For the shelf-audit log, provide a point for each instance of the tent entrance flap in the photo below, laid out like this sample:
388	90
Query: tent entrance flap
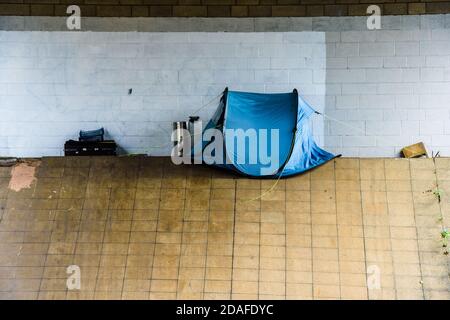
259	130
266	135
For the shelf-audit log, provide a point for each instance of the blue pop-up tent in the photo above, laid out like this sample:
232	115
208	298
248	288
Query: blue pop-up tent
276	132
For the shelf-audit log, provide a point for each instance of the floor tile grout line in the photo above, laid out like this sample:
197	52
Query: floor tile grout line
415	227
177	293
81	216
234	235
337	231
22	238
390	232
22	242
50	239
207	235
102	243
8	191
131	230
157	228
363	229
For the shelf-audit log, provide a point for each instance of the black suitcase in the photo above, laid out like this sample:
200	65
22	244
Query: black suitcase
90	148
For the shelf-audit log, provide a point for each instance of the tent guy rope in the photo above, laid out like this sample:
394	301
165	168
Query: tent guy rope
195	112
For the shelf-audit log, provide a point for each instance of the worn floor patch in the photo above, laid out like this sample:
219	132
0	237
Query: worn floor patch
22	176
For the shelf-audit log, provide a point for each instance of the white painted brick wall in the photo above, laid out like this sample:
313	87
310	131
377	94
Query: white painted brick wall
56	83
389	88
396	89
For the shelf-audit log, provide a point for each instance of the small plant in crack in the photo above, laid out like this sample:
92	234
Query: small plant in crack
445	235
438	193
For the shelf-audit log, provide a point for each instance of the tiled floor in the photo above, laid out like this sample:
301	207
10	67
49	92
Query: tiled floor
142	228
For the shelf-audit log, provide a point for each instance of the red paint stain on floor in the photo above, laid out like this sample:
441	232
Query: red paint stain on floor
22	176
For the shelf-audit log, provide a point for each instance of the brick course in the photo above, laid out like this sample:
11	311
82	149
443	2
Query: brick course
221	8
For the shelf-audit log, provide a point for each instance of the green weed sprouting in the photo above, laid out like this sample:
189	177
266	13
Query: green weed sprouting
445	236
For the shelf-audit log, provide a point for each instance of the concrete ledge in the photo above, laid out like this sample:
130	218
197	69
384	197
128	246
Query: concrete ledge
16	23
